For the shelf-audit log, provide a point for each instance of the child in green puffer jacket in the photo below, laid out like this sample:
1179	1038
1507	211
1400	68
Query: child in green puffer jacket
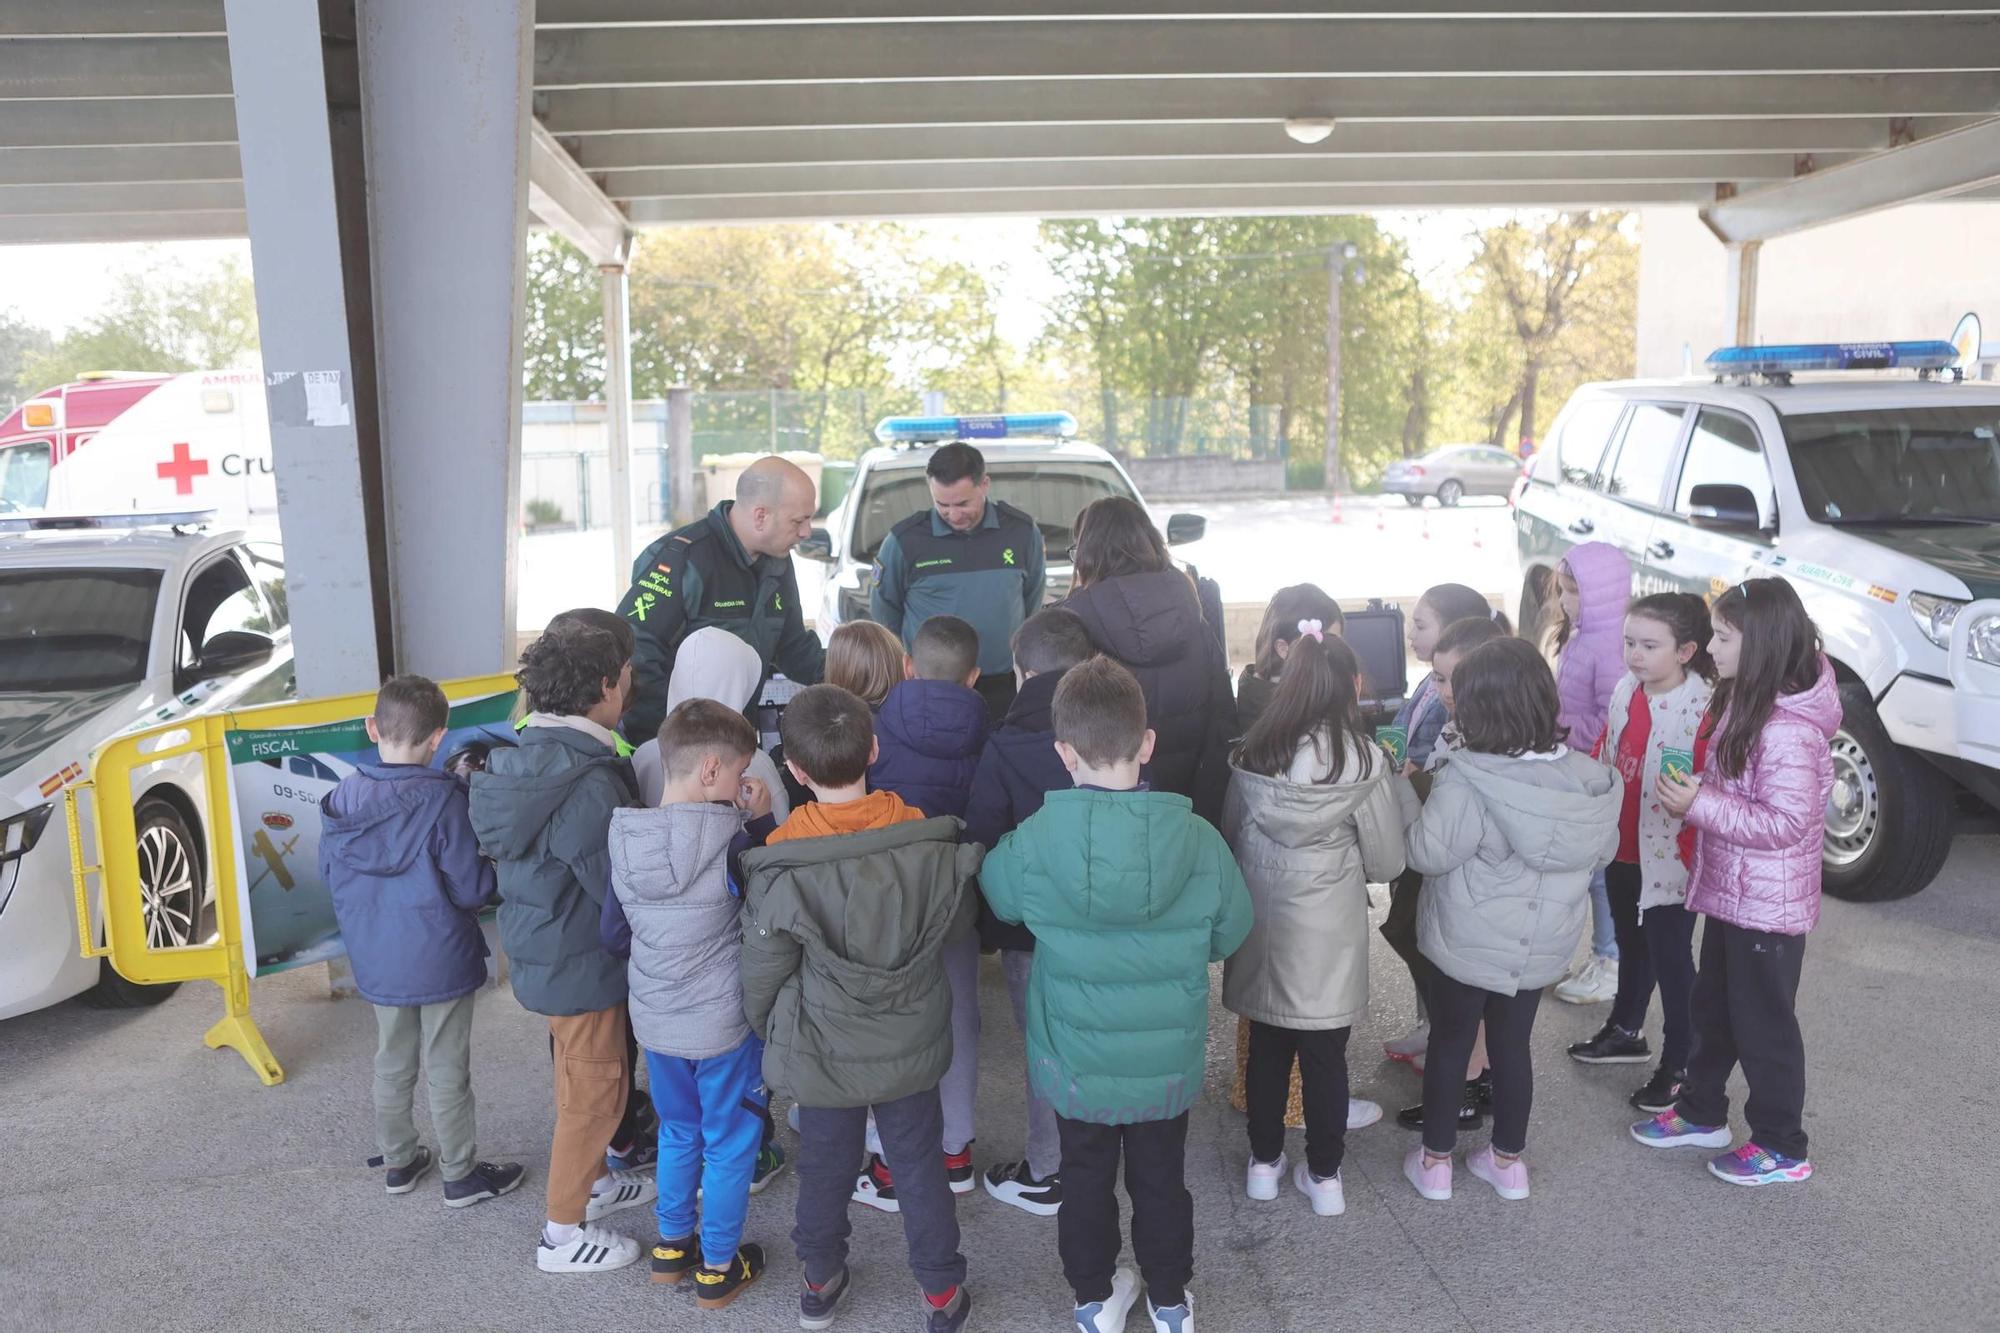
1130	897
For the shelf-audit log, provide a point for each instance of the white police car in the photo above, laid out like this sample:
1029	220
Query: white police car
1877	497
1034	465
108	624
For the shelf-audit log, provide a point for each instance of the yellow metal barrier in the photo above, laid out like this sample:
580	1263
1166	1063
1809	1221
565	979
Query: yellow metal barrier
115	847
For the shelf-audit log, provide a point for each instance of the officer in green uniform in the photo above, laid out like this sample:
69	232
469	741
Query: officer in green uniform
732	568
968	556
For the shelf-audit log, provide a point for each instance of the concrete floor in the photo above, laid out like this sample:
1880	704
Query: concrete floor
149	1183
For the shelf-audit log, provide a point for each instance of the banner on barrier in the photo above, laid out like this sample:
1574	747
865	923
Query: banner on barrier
278	776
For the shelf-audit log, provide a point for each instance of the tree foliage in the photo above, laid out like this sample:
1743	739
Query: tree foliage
162	315
20	344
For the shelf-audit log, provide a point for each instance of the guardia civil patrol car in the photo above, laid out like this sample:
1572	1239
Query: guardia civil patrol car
1877	496
1035	465
108	624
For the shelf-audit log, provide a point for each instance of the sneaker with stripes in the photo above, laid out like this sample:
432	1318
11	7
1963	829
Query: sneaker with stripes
590	1250
622	1189
1754	1165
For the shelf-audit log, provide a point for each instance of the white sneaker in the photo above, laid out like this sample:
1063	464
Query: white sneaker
628	1189
872	1137
1328	1199
792	1117
1172	1318
1361	1113
1108	1316
1261	1180
591	1250
1410	1044
1595	983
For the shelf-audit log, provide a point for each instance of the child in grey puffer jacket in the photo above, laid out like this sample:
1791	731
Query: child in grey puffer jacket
1515	824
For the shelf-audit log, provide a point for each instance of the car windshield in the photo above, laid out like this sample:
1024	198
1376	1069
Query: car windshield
1054	491
75	629
1914	465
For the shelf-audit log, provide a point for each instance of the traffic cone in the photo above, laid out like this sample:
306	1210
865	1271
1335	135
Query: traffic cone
1427	527
1381	525
1336	507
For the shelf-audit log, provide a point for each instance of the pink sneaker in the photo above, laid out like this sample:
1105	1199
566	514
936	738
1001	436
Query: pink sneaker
1509	1181
1433	1182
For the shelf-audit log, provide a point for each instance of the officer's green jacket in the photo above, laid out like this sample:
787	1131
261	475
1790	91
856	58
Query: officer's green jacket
991	577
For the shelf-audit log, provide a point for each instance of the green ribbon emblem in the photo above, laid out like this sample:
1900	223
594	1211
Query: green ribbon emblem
1007	556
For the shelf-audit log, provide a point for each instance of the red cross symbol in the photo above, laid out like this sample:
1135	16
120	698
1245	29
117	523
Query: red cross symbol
182	470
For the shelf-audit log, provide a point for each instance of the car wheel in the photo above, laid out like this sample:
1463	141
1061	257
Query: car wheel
1450	494
173	895
1414	501
1889	819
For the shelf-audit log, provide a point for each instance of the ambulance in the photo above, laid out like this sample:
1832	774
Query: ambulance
114	441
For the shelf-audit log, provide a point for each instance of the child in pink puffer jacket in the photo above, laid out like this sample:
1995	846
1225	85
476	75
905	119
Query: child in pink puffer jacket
1592	586
1758	812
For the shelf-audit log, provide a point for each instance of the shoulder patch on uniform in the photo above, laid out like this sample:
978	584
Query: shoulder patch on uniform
921	517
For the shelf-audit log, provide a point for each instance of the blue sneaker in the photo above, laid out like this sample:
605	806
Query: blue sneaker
1108	1315
1752	1165
1173	1318
1669	1130
819	1305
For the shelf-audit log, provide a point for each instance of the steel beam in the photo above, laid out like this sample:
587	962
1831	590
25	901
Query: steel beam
566	200
688	13
111	18
114	67
1155	49
72	228
189	197
101	166
1063	101
112	121
1943	165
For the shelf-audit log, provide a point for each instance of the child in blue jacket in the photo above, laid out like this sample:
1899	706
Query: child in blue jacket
399	858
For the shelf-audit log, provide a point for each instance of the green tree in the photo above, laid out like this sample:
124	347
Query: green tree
563	333
20	344
162	315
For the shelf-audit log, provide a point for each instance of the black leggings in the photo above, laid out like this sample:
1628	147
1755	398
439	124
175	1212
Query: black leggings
1399	928
1658	949
1267	1086
1456	1009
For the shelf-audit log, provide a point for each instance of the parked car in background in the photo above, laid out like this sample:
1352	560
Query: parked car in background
1452	473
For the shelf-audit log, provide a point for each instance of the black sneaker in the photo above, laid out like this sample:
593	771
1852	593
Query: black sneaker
819	1305
951	1316
958	1172
715	1288
770	1161
1662	1090
486	1180
1013	1183
1612	1045
876	1187
403	1179
1471	1109
675	1259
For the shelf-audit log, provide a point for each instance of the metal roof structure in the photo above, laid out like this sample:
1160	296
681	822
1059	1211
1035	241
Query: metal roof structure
116	119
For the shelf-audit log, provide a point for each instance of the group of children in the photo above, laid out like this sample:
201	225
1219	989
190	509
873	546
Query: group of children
812	927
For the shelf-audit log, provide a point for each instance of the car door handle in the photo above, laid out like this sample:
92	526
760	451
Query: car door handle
1583	527
1661	550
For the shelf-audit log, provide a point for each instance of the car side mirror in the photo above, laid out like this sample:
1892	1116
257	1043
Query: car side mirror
232	651
1724	506
819	546
1185	528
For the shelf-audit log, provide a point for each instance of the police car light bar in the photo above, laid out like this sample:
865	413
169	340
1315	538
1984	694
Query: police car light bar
162	518
930	430
1789	358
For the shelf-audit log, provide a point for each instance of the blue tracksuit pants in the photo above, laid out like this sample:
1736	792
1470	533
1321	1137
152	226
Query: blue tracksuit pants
711	1126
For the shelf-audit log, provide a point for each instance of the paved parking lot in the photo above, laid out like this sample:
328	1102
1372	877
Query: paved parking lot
152	1184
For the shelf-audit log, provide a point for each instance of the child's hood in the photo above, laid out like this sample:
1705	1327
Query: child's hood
1818	705
675	851
378	821
1299	814
1143	619
939	719
1603	584
1553	812
1124	858
712	663
523	787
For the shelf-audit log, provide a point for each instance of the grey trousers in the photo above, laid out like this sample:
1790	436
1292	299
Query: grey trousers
1044	1138
440	1036
959	1090
830	1156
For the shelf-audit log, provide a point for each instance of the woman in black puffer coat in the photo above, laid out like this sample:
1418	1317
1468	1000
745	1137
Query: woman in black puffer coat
1145	613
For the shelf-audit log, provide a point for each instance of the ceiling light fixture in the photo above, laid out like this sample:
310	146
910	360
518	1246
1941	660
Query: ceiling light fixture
1309	129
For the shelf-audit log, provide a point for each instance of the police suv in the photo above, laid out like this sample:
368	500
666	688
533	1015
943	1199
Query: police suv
108	624
1876	496
1034	464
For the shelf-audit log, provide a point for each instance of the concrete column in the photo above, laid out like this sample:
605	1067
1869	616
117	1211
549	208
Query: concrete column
680	456
1740	300
618	415
300	136
446	92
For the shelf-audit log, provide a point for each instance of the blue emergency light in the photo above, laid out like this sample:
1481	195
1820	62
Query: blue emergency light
1790	358
931	430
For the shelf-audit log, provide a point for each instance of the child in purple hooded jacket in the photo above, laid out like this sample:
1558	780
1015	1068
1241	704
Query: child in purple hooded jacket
1593	586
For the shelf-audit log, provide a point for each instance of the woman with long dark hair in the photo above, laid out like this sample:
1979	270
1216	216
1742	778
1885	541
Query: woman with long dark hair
1145	614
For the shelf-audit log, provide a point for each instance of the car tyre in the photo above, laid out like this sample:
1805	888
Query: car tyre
1414	501
1889	820
174	884
1450	494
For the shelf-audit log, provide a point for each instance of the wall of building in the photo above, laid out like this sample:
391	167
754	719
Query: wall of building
1902	273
